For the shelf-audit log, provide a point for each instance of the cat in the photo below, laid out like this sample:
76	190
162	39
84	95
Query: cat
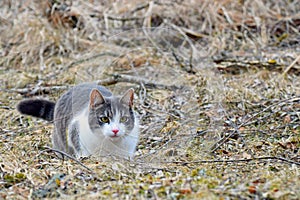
89	120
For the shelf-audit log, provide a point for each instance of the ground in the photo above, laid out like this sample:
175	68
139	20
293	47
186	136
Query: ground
217	90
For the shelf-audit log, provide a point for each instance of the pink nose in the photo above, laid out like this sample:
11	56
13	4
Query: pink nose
115	131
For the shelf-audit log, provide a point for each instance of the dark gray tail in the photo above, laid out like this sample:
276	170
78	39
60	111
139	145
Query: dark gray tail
38	108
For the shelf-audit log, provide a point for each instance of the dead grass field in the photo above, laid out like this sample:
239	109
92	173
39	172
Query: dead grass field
217	90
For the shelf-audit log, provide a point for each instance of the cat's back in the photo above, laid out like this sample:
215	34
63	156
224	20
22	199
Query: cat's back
77	98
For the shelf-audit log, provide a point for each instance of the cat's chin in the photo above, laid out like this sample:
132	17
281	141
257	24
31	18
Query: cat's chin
114	137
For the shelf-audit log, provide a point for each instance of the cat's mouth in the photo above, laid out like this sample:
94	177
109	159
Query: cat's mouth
114	136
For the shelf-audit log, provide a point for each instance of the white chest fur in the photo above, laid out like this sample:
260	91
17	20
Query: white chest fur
96	143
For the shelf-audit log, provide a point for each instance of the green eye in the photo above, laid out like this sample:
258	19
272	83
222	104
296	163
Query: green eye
104	119
124	119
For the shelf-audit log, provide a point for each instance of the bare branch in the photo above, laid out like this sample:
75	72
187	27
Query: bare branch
247	122
116	78
123	19
38	90
265	158
67	155
91	58
291	65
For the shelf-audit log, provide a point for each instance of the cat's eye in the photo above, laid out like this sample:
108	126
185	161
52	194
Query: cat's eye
124	119
104	119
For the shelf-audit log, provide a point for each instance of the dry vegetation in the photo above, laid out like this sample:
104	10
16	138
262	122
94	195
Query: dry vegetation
217	89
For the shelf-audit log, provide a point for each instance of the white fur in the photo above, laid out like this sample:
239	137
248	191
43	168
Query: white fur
108	127
102	143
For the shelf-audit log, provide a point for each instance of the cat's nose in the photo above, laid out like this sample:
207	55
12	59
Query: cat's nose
115	131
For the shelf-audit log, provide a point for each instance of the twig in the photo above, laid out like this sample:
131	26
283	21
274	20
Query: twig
193	48
133	79
220	142
181	64
106	20
124	19
165	143
291	65
79	61
38	90
138	8
234	161
247	122
116	78
178	60
67	155
147	19
143	6
91	58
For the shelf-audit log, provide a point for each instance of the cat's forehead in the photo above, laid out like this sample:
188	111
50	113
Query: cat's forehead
114	104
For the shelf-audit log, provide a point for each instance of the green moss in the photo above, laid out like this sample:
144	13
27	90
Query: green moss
12	179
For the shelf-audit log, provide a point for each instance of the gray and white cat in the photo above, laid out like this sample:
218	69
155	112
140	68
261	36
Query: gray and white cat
89	120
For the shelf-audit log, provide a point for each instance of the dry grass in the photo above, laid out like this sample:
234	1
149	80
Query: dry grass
229	129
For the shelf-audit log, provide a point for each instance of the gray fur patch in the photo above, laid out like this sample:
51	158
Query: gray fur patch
74	136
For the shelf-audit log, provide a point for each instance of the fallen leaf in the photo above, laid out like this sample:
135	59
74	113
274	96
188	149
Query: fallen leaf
185	191
252	189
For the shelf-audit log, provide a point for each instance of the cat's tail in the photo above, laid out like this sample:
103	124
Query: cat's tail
38	108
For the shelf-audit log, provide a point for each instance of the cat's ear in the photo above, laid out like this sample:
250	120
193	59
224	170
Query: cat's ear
127	98
96	98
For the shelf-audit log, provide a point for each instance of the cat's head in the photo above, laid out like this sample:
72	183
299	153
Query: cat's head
111	116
